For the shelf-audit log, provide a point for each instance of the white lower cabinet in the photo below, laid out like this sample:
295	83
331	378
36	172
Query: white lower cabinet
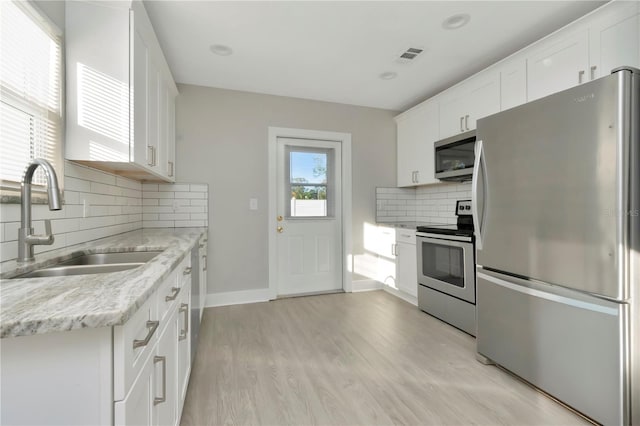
397	262
406	262
132	374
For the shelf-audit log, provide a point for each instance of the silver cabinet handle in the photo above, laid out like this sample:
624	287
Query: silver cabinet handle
204	260
174	294
580	76
171	168
163	398
461	121
466	122
152	326
149	155
184	309
187	270
417	176
155	156
593	72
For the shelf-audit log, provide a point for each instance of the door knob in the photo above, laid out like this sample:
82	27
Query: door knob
280	218
280	229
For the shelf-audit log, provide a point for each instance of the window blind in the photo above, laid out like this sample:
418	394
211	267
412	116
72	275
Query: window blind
30	92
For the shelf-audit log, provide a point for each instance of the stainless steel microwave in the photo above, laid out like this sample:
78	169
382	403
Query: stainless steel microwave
454	157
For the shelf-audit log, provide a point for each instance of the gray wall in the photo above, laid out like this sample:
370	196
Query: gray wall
222	140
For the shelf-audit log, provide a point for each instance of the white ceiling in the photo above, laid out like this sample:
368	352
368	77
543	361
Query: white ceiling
335	51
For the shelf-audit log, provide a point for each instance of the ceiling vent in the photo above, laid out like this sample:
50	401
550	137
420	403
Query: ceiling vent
409	55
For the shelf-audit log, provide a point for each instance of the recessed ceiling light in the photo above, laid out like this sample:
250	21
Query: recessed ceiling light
456	21
221	49
389	75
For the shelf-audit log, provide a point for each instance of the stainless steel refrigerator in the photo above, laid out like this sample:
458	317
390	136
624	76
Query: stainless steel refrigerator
556	203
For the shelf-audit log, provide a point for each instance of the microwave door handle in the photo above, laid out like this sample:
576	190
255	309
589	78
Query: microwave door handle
474	194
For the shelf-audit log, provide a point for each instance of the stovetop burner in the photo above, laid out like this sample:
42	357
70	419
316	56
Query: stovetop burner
463	227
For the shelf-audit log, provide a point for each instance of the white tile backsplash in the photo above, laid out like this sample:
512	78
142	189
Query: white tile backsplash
175	205
98	204
434	203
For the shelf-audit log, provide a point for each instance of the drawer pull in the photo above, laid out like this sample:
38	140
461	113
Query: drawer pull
187	270
204	260
152	326
163	398
184	309
173	295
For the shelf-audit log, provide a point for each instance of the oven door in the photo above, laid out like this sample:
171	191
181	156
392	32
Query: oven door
447	266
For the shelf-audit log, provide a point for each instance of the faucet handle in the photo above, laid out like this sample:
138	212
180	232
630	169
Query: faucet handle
47	227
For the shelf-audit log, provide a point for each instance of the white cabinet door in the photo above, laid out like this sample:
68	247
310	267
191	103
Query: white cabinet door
137	407
384	248
170	145
462	106
558	64
513	83
165	362
141	154
417	131
183	340
614	40
406	262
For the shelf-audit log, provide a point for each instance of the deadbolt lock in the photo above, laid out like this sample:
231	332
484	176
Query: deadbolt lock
280	218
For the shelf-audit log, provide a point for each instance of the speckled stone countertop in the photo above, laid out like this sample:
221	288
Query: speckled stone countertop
405	225
45	305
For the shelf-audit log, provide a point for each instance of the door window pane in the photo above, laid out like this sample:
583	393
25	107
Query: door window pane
443	263
308	181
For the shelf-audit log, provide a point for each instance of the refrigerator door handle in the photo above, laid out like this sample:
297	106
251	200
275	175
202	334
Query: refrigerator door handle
475	213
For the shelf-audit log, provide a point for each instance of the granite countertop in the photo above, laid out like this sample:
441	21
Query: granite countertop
405	225
49	304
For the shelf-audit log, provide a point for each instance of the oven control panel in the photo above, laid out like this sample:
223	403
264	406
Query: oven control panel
463	208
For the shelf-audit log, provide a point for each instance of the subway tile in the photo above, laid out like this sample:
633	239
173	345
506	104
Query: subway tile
199	187
9	212
188	223
75	184
150	201
158	224
11	231
8	251
128	183
173	187
198	216
190	195
157	209
198	202
174	202
152	194
150	216
149	187
71	197
173	216
101	188
86	173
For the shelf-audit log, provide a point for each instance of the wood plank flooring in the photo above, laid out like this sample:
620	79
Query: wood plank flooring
350	359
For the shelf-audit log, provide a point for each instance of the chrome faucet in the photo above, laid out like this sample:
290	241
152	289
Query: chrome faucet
26	238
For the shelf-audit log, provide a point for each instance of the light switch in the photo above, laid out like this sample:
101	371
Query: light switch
253	204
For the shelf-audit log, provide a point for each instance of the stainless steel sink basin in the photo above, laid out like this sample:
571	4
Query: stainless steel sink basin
97	263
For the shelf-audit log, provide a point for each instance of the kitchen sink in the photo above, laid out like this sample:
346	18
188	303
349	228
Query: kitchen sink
95	263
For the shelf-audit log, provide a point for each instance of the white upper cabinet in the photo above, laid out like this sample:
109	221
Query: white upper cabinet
557	64
513	83
121	95
614	39
417	131
464	104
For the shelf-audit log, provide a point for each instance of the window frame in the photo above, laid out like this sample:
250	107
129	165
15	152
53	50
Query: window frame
329	185
10	190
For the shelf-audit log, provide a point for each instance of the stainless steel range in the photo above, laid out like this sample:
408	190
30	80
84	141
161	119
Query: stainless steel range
446	270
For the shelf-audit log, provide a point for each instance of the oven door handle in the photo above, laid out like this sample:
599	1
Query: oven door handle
475	203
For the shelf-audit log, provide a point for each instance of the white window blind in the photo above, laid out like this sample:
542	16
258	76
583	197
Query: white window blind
30	92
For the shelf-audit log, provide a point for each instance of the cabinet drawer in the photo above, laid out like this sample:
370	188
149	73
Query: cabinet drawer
132	345
406	236
168	294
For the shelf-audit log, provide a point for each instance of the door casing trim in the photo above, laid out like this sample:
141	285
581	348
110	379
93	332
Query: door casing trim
345	140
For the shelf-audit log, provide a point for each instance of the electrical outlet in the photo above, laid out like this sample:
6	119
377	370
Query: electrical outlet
85	208
253	204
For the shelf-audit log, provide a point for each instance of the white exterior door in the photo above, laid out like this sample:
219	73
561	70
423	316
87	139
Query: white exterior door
309	216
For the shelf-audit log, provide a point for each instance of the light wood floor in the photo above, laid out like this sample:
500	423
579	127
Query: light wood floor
350	359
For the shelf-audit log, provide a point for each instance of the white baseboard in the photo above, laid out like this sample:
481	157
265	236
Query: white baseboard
237	297
401	294
365	285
